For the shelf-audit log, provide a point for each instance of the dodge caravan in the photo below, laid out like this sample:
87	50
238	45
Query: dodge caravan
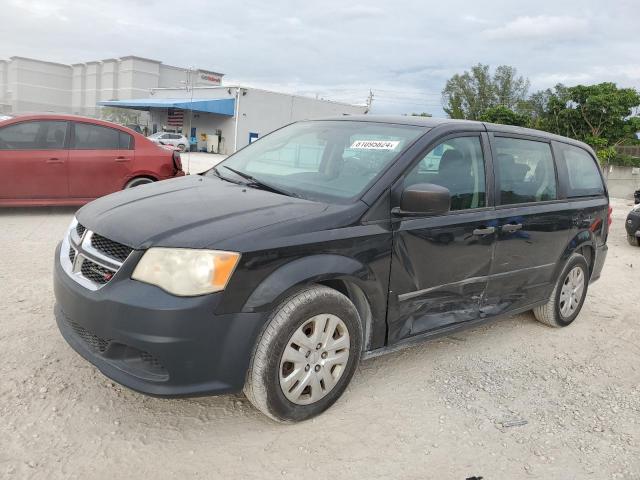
324	243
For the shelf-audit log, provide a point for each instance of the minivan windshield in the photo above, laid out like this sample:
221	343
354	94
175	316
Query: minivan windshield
326	160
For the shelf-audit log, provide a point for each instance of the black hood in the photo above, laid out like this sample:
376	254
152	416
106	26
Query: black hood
190	212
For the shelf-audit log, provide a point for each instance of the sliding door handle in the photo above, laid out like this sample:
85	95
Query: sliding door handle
511	227
484	231
55	160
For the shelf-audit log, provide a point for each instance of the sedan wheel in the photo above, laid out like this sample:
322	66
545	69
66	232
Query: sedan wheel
136	182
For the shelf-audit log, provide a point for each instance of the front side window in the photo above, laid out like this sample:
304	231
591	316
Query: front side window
458	165
324	160
526	172
38	135
96	137
582	171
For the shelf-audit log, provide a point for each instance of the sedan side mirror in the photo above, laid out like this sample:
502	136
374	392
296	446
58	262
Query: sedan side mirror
425	199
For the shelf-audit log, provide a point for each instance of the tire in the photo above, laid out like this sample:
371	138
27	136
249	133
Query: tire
284	390
633	240
574	277
182	147
136	182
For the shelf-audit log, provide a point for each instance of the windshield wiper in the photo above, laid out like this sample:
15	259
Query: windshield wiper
222	177
254	182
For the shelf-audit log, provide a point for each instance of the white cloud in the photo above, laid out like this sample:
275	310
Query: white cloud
540	27
405	51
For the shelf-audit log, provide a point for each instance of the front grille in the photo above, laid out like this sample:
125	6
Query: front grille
93	341
95	272
109	247
91	259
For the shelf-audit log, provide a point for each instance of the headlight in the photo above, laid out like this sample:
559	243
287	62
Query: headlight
186	272
636	208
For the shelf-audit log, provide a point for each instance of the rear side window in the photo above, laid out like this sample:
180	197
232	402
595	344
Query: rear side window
525	171
96	137
45	135
582	172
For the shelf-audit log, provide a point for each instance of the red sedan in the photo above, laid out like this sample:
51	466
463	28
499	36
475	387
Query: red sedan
50	159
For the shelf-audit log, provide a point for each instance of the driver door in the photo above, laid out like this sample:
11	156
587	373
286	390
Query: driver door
440	264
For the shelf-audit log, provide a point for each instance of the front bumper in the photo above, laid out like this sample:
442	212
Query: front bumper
154	342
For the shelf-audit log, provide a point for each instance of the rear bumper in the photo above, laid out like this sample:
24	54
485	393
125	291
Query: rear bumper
153	342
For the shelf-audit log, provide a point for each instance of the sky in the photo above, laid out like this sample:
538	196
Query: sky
403	51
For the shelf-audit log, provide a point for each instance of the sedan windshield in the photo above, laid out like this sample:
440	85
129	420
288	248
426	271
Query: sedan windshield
320	160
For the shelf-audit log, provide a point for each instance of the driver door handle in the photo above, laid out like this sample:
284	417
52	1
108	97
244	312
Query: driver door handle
55	160
484	231
122	159
511	227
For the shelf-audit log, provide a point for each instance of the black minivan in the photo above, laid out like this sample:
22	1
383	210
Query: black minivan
325	242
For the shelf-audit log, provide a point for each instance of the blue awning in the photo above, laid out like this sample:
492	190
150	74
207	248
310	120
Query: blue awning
221	106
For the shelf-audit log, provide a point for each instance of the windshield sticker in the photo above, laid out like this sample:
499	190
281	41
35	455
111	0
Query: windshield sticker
375	144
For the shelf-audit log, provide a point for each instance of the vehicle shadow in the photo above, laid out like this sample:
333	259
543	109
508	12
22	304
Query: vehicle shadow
400	368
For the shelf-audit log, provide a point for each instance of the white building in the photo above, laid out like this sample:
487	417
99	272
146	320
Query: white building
224	119
30	85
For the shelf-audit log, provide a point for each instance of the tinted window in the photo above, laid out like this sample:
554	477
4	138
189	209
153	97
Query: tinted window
95	137
457	164
582	172
526	171
46	135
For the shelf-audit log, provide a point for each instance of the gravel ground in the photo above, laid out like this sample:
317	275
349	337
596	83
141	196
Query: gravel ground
511	399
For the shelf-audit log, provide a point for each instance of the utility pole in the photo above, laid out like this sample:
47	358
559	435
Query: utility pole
189	87
369	100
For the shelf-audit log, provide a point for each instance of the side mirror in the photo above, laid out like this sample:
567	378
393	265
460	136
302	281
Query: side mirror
425	199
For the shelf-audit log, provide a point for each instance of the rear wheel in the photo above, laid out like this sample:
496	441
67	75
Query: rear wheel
633	240
136	182
306	355
568	295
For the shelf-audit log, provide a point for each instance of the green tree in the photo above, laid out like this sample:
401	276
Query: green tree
505	116
600	115
470	94
121	116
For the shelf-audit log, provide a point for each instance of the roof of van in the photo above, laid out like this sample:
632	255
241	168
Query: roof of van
432	122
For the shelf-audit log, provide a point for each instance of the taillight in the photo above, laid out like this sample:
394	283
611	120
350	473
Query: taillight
177	161
609	219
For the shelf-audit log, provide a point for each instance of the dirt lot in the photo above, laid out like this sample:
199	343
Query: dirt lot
433	411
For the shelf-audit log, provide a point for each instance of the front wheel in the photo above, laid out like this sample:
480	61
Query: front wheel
633	240
306	355
182	147
568	295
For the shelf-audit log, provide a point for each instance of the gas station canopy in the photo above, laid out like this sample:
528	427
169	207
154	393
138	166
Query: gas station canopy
221	106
